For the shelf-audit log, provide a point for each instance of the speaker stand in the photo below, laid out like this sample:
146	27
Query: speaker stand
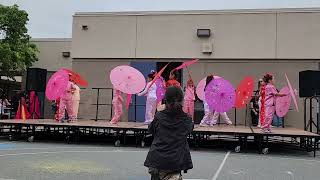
310	123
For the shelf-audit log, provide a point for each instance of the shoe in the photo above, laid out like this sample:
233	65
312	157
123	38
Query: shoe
267	131
112	122
147	122
203	125
229	123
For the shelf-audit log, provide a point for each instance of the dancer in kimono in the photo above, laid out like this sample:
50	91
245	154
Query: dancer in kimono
173	79
66	102
117	102
207	119
269	102
75	101
151	104
189	98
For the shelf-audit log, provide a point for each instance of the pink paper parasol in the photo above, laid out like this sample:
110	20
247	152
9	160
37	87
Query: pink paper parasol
283	103
161	89
127	79
220	95
57	84
292	93
244	92
185	64
200	88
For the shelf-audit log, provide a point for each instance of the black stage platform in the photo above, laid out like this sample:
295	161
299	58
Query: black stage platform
240	135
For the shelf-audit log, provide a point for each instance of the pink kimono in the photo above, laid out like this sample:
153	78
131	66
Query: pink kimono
66	103
270	91
117	106
189	98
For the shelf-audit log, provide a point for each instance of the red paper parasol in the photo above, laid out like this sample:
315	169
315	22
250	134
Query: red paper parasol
244	92
127	79
220	95
292	93
283	103
76	77
185	64
57	84
200	88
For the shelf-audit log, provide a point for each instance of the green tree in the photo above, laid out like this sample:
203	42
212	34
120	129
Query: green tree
17	53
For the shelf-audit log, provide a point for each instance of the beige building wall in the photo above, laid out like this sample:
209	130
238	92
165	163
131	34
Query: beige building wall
298	35
251	34
106	37
175	36
50	55
50	58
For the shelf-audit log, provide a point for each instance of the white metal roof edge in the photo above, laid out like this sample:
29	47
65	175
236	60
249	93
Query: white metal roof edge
51	39
199	12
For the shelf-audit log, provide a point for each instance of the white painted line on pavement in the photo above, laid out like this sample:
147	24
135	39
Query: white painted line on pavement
57	152
215	177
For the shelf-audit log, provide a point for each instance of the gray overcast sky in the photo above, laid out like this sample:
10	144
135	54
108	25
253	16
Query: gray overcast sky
53	18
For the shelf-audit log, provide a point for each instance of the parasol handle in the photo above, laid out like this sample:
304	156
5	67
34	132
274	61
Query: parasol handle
189	73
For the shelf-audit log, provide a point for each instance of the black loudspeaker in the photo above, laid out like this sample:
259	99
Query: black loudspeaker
36	79
309	83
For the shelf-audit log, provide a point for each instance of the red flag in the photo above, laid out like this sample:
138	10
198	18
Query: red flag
186	64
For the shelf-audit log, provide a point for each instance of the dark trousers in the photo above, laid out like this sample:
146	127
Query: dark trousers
254	119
